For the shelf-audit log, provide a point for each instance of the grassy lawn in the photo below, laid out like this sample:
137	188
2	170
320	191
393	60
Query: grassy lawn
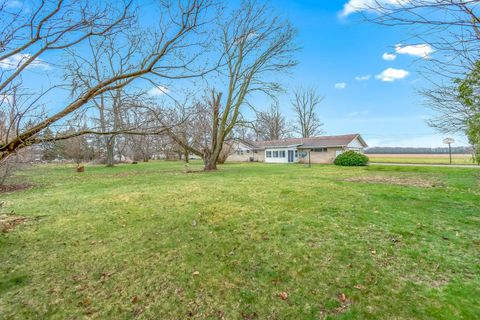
421	158
251	241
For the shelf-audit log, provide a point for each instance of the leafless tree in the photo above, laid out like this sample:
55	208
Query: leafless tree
144	116
254	44
271	124
77	148
171	51
16	114
106	57
304	103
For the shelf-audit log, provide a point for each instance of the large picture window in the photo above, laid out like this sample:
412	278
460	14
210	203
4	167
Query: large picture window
275	154
282	154
269	154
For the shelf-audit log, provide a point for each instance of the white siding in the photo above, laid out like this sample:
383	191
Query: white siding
356	145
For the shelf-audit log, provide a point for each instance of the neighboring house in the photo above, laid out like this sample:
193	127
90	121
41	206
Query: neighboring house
303	150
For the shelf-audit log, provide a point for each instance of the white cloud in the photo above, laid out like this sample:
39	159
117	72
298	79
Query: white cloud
418	50
158	91
340	86
363	78
353	6
19	58
389	56
6	99
357	113
390	75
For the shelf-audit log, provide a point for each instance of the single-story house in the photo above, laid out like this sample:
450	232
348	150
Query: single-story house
323	149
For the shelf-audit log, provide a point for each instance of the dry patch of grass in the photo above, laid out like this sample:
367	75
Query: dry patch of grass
399	181
9	222
8	188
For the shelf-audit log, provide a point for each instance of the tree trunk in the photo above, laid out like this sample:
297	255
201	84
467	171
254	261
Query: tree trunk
186	154
110	151
210	164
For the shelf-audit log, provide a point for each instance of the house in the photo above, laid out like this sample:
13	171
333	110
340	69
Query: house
244	150
322	149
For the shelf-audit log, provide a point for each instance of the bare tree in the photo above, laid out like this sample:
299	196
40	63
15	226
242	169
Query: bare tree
304	103
254	45
271	124
16	113
55	26
77	149
106	57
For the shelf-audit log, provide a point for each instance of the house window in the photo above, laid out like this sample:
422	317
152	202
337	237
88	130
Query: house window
282	154
319	150
248	151
269	154
275	154
296	153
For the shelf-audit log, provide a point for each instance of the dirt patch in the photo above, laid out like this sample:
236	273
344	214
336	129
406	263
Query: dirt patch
399	181
8	188
9	222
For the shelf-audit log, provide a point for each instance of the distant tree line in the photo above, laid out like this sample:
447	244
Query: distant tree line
400	150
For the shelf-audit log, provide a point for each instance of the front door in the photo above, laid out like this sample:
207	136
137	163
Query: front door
290	155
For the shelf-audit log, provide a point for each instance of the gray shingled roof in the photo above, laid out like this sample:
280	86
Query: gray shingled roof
313	142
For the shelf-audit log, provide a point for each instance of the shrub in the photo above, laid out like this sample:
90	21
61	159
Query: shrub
351	158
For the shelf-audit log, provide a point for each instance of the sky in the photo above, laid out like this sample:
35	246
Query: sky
368	74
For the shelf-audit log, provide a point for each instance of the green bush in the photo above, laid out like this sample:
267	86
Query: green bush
351	158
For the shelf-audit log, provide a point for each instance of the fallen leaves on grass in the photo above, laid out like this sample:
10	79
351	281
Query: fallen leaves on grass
344	303
9	222
7	188
283	295
399	181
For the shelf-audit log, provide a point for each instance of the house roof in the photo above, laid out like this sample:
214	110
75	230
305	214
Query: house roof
312	142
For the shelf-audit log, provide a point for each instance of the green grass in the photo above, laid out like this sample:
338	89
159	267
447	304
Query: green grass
128	242
421	158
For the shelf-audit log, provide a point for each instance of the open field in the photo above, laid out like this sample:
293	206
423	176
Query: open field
421	158
251	241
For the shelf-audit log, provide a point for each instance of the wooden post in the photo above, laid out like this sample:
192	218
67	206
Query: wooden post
449	141
309	158
450	152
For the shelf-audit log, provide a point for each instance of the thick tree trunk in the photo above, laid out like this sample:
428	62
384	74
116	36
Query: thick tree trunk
110	151
186	154
210	164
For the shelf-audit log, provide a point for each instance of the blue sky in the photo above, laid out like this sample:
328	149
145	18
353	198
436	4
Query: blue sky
335	51
369	81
